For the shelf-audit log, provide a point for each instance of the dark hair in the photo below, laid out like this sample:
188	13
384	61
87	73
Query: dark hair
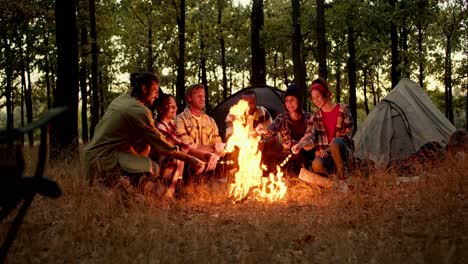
192	88
138	79
162	99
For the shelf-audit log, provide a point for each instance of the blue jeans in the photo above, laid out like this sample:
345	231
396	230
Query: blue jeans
337	161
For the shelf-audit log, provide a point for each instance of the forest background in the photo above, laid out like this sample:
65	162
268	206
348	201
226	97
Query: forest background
80	53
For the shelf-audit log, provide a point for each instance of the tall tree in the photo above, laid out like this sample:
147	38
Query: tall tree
94	69
258	76
297	47
9	82
204	79
352	74
83	13
321	39
180	82
65	128
28	92
452	19
395	70
423	18
222	46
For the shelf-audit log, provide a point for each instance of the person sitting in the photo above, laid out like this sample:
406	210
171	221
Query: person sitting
195	127
126	144
330	131
172	169
257	115
291	126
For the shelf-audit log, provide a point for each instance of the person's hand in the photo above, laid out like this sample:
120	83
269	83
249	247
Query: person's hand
211	160
197	165
296	148
219	148
261	130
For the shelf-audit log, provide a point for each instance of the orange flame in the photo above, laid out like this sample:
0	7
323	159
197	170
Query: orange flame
249	180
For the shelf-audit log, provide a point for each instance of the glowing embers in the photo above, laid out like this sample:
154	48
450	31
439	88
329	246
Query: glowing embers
249	182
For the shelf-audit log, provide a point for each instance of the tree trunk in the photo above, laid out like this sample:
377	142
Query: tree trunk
379	90
223	47
404	46
94	69
47	70
373	89
396	73
421	57
448	80
149	56
366	103
180	82
9	83
285	71
28	99
298	63
352	75
275	66
338	82
65	128
321	40
230	80
83	83
23	89
258	76
28	92
204	79
102	95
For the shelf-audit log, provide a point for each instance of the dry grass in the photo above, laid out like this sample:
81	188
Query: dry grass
377	221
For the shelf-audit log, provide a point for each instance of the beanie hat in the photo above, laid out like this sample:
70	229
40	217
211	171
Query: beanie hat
293	90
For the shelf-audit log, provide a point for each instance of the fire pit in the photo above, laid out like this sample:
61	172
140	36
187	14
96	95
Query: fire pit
249	182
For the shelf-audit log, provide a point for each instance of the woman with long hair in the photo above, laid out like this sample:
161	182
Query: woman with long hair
330	132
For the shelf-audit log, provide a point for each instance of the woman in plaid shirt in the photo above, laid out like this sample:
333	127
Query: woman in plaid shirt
291	126
329	131
172	169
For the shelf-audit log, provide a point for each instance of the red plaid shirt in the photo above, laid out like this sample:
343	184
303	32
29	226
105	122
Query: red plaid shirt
283	125
169	132
316	136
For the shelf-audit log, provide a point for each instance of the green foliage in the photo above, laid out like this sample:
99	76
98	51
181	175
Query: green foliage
125	44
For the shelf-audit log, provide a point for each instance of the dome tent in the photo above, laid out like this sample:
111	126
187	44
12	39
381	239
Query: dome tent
269	97
400	124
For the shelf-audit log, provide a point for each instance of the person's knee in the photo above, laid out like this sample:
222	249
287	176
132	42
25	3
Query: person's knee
318	166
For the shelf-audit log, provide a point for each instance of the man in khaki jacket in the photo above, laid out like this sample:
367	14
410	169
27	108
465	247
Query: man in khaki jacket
126	138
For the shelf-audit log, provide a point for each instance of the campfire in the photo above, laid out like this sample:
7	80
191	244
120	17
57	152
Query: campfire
249	181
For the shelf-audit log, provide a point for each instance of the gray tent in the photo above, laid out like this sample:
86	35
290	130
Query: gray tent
400	124
269	97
